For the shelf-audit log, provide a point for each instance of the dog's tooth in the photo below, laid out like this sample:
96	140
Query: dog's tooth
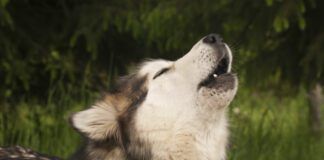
214	75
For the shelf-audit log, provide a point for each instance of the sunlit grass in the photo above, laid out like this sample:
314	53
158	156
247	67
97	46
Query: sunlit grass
43	128
262	127
268	128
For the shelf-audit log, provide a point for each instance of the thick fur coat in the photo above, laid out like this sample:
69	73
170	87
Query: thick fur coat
166	110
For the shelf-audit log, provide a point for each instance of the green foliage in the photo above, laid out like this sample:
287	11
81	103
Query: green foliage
44	43
5	18
263	127
287	45
54	54
268	128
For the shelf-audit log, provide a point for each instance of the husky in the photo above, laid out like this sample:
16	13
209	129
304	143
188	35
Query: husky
167	110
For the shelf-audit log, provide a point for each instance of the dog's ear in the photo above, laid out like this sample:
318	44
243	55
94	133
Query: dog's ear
97	123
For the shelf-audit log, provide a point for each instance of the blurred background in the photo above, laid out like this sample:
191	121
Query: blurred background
57	56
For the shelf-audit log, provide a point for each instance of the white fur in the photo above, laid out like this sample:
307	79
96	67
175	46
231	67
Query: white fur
98	122
177	119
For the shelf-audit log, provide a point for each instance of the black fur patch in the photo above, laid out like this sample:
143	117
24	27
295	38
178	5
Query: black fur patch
134	147
126	96
21	153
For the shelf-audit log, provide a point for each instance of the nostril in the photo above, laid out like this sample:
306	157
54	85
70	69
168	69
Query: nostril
213	38
210	39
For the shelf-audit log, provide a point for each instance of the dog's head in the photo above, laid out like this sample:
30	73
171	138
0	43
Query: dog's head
164	96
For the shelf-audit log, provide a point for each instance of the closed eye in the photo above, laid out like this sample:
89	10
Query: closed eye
159	73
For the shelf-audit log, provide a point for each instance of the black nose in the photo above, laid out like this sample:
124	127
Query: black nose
213	39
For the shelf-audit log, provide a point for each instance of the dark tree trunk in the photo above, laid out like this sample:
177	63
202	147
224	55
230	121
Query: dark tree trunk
315	98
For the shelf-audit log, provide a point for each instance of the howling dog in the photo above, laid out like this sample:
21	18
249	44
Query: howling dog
167	110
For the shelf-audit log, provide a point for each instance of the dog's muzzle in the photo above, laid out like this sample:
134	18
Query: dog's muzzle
222	69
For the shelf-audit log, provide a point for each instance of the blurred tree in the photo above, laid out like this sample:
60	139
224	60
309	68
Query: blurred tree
315	100
289	51
66	43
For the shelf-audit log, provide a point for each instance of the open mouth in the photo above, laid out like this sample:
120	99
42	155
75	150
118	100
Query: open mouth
221	69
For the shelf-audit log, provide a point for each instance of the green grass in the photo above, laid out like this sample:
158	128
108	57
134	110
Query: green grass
263	127
269	128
